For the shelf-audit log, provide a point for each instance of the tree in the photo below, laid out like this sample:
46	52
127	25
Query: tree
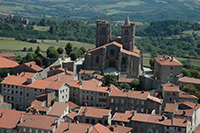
191	90
73	56
75	49
68	48
134	83
194	73
54	100
4	72
79	53
154	54
96	72
125	86
42	22
185	72
109	79
102	73
152	63
38	50
24	49
83	49
52	52
60	50
30	49
38	61
29	56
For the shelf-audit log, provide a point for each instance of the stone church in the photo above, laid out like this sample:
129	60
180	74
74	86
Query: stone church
118	52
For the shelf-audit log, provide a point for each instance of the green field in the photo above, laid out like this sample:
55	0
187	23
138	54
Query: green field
11	45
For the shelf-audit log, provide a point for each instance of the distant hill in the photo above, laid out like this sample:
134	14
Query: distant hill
139	10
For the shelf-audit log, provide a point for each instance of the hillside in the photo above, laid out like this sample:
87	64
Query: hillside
139	10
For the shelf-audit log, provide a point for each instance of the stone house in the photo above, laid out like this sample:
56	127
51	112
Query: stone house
190	80
11	56
167	68
58	109
94	115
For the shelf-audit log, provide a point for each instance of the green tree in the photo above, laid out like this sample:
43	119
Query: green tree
185	72
102	73
109	79
73	56
29	56
194	73
4	72
54	100
52	52
96	72
60	50
38	50
24	49
42	22
125	86
68	48
191	90
134	83
38	61
75	49
152	63
83	49
154	54
30	49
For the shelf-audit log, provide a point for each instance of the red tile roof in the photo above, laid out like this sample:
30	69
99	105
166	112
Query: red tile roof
197	130
189	80
38	106
125	80
71	115
170	87
185	112
74	127
93	112
10	118
130	53
55	85
120	129
63	78
7	55
176	122
98	76
183	94
189	104
6	63
58	109
27	74
155	99
171	107
38	121
90	72
124	117
139	94
167	60
33	66
72	105
98	128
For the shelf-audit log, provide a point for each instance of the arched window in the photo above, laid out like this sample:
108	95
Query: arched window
97	59
126	33
103	31
112	51
123	60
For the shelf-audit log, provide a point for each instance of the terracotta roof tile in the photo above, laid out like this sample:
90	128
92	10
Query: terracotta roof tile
125	80
7	55
176	122
10	118
38	106
155	99
171	107
74	127
90	72
190	80
185	112
71	115
58	109
197	130
93	112
27	74
98	128
98	76
130	53
170	87
183	94
38	121
33	66
6	63
167	60
55	85
62	76
189	104
72	105
139	94
93	85
120	129
124	117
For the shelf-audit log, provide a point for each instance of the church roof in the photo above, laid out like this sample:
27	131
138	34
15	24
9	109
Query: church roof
127	22
135	53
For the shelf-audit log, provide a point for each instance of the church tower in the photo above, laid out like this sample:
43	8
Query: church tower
128	35
103	32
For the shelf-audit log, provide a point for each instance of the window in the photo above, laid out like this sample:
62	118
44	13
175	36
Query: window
16	99
65	96
142	110
100	93
100	121
20	93
170	99
16	92
35	89
12	98
8	91
171	68
20	99
27	100
136	129
112	51
62	97
116	108
142	102
36	131
30	130
123	60
87	97
179	129
174	93
91	97
83	97
131	101
122	101
16	87
27	94
116	100
93	121
8	97
60	91
138	102
12	91
24	130
122	109
42	131
112	100
97	59
87	120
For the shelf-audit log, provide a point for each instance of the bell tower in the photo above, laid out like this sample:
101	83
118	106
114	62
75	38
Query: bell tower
103	32
128	35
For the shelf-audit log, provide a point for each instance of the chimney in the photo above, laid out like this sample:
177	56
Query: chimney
172	58
65	70
58	78
85	111
172	120
24	74
133	113
30	65
47	103
1	115
88	130
112	129
68	126
184	112
142	92
20	120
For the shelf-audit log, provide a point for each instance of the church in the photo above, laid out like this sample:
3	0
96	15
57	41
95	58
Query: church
119	53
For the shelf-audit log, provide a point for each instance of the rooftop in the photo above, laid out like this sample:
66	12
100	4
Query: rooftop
124	117
6	63
155	99
171	107
170	87
168	61
86	72
120	129
7	55
183	94
176	122
58	109
33	66
99	128
190	80
93	112
36	104
126	80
